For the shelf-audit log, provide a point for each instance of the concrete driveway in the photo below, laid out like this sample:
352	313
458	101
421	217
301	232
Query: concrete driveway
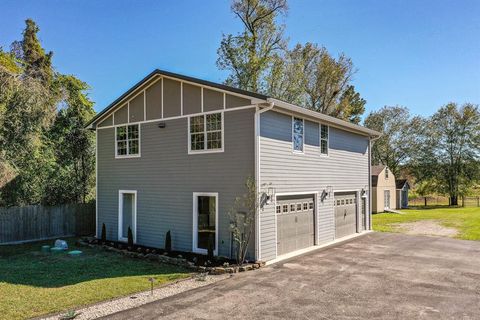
376	276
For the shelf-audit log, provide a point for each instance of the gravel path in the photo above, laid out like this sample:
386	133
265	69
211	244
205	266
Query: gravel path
112	306
426	227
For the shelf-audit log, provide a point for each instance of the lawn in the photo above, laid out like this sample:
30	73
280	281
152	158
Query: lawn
465	220
33	283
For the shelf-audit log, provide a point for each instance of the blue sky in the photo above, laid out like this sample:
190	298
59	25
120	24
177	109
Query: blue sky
420	54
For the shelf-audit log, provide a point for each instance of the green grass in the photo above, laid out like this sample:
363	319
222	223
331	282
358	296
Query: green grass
34	284
465	220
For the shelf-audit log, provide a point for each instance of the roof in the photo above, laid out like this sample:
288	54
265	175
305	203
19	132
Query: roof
267	99
400	183
376	170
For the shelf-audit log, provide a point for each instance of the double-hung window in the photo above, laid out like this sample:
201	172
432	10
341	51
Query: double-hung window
324	139
127	139
206	133
298	134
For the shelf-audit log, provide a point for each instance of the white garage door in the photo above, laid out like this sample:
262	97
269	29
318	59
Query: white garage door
295	223
345	214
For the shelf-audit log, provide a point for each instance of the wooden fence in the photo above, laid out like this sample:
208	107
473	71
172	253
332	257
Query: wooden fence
41	222
444	201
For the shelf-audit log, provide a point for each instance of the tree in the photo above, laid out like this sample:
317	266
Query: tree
400	136
350	107
74	145
248	54
45	154
242	219
451	151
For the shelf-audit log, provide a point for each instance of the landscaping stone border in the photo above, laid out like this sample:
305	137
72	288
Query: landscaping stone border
178	261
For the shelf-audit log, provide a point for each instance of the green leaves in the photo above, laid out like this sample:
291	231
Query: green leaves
46	156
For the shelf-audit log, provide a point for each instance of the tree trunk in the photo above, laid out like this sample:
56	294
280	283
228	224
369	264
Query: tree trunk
453	200
425	198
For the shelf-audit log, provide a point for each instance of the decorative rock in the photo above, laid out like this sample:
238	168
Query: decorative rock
242	269
229	270
202	269
218	270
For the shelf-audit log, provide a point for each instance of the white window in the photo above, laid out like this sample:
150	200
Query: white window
127	214
297	135
285	208
205	221
127	141
206	133
310	205
279	209
323	139
299	207
386	173
292	207
305	206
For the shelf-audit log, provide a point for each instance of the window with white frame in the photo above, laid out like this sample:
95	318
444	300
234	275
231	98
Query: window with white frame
205	225
127	140
279	210
298	134
323	139
285	208
386	173
206	132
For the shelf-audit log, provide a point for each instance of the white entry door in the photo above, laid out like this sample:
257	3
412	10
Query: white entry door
386	199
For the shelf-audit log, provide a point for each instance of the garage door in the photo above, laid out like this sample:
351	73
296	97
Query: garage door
295	223
345	214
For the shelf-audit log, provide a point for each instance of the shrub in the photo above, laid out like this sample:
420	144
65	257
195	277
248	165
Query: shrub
104	233
168	242
130	237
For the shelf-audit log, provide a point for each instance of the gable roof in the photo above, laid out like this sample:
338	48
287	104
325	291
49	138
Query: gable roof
263	99
400	183
376	170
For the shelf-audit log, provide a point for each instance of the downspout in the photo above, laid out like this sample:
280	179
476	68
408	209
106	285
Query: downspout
258	112
370	140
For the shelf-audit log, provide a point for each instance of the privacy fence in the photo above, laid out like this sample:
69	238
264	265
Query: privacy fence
43	222
444	201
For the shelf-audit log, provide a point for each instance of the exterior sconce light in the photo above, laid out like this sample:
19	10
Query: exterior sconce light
162	125
364	193
270	195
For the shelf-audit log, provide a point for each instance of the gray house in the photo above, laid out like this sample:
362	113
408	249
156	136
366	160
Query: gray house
173	152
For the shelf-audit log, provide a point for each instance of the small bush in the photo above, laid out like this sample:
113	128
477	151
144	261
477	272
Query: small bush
130	237
104	233
168	242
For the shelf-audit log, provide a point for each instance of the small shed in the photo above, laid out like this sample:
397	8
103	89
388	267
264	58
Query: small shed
384	196
402	187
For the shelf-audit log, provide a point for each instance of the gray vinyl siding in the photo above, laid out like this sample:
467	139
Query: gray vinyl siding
345	168
135	108
107	122
171	98
232	101
121	115
191	99
165	177
154	101
212	100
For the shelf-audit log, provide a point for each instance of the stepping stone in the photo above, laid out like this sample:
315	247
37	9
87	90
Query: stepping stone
45	248
74	253
56	250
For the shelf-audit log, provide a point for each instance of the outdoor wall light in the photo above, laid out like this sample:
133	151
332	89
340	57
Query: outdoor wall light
363	193
162	125
270	194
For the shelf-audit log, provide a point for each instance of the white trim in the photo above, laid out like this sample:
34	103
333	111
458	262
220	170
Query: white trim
195	222
316	247
180	117
256	139
205	150
129	98
303	135
162	97
96	183
128	112
224	101
127	156
201	99
181	97
328	140
120	215
144	105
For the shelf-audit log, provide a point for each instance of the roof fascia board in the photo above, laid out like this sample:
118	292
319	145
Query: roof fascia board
334	122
